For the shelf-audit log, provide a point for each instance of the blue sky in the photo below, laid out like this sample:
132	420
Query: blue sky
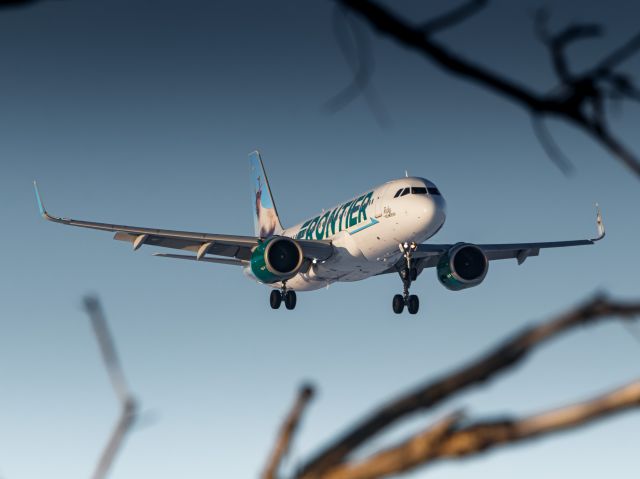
144	113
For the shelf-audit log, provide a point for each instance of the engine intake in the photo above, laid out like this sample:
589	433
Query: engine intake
463	266
276	259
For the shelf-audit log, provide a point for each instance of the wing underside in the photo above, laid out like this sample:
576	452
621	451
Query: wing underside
204	245
428	255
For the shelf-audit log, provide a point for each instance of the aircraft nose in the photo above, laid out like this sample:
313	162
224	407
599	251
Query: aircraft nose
426	208
440	203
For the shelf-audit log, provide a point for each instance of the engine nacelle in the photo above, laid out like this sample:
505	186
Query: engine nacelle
463	266
276	259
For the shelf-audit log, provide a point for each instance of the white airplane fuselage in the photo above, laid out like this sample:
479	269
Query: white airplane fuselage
367	231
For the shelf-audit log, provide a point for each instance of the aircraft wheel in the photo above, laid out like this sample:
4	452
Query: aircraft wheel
275	299
398	303
413	304
290	299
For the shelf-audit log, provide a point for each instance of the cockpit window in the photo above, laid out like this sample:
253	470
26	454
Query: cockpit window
433	190
398	193
418	190
405	191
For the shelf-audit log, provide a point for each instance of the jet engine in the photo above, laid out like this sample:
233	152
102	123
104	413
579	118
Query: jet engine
463	266
276	259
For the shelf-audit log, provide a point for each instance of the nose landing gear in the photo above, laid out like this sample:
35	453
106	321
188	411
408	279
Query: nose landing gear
283	294
408	274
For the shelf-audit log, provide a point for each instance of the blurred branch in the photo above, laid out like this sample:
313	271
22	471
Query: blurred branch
114	370
400	458
356	50
550	146
16	3
289	427
454	16
579	101
559	42
499	359
446	441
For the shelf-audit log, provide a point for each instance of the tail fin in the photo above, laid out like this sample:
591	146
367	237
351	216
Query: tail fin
265	215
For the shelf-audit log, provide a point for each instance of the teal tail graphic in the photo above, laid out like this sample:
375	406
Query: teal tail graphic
265	215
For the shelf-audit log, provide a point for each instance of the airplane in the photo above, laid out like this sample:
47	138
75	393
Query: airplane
380	231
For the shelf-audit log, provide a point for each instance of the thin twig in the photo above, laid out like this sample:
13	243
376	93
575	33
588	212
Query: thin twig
356	50
453	17
287	432
551	147
116	375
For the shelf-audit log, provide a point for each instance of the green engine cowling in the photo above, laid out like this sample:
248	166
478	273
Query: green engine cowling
463	266
276	259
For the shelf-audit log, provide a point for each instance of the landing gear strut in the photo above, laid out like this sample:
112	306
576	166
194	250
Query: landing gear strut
283	294
408	274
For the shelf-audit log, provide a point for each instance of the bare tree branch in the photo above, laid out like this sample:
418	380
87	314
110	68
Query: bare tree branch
499	359
482	435
356	50
550	146
116	375
579	102
453	17
445	441
559	42
399	458
286	434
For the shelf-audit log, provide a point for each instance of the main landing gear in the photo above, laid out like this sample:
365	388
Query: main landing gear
408	274
283	294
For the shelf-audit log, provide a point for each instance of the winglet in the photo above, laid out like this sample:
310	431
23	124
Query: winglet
43	212
599	224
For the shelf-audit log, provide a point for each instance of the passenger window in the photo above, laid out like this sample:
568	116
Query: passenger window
418	191
405	191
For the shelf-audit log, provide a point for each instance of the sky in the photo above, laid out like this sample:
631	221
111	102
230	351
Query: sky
143	113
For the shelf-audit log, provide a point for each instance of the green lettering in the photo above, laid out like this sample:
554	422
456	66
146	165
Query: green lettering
362	215
345	209
353	211
320	232
303	229
332	221
311	227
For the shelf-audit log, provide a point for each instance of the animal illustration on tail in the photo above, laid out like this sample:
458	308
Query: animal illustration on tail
266	221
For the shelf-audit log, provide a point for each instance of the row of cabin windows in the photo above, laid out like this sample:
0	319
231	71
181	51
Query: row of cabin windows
416	190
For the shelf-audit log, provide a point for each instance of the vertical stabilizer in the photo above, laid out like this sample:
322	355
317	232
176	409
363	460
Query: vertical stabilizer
265	215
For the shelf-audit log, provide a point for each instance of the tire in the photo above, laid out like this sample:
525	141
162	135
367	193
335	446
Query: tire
275	299
413	274
290	299
413	304
398	303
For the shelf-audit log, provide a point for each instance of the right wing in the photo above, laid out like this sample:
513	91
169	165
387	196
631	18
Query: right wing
231	246
428	255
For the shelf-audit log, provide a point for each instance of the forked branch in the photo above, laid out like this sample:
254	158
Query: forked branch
499	359
580	98
129	407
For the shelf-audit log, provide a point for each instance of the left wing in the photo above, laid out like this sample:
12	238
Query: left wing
238	247
427	255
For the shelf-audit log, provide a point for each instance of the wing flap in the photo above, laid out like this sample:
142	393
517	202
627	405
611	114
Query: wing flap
232	246
234	262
